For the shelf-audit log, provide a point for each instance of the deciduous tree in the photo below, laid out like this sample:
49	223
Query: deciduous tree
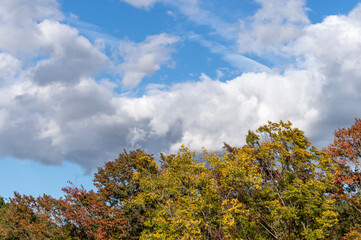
26	217
118	184
87	216
345	150
277	186
292	200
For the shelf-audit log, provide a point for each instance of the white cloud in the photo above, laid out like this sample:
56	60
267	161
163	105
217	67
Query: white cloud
145	58
19	22
20	11
35	33
9	67
212	111
142	3
70	56
52	111
332	49
275	24
49	123
89	124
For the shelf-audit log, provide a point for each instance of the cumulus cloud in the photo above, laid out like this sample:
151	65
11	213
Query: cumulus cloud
145	58
9	67
19	24
32	31
51	111
50	123
70	56
275	24
20	11
89	123
333	49
212	111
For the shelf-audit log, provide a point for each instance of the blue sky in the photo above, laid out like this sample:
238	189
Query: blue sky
80	80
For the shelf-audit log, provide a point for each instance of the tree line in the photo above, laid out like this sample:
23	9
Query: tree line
276	186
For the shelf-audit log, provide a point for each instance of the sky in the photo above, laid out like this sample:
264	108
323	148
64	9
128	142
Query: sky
81	80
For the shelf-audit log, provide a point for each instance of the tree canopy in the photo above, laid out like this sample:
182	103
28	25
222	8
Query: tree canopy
276	186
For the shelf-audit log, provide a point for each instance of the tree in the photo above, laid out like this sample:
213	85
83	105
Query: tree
118	184
292	201
275	187
2	202
25	217
180	200
80	215
346	152
86	216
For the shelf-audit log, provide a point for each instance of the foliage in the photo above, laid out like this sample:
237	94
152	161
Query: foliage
2	202
25	217
81	215
117	184
346	152
88	217
277	186
274	187
291	201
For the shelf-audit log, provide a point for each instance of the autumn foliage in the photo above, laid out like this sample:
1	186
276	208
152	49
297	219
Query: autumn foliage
346	152
276	186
